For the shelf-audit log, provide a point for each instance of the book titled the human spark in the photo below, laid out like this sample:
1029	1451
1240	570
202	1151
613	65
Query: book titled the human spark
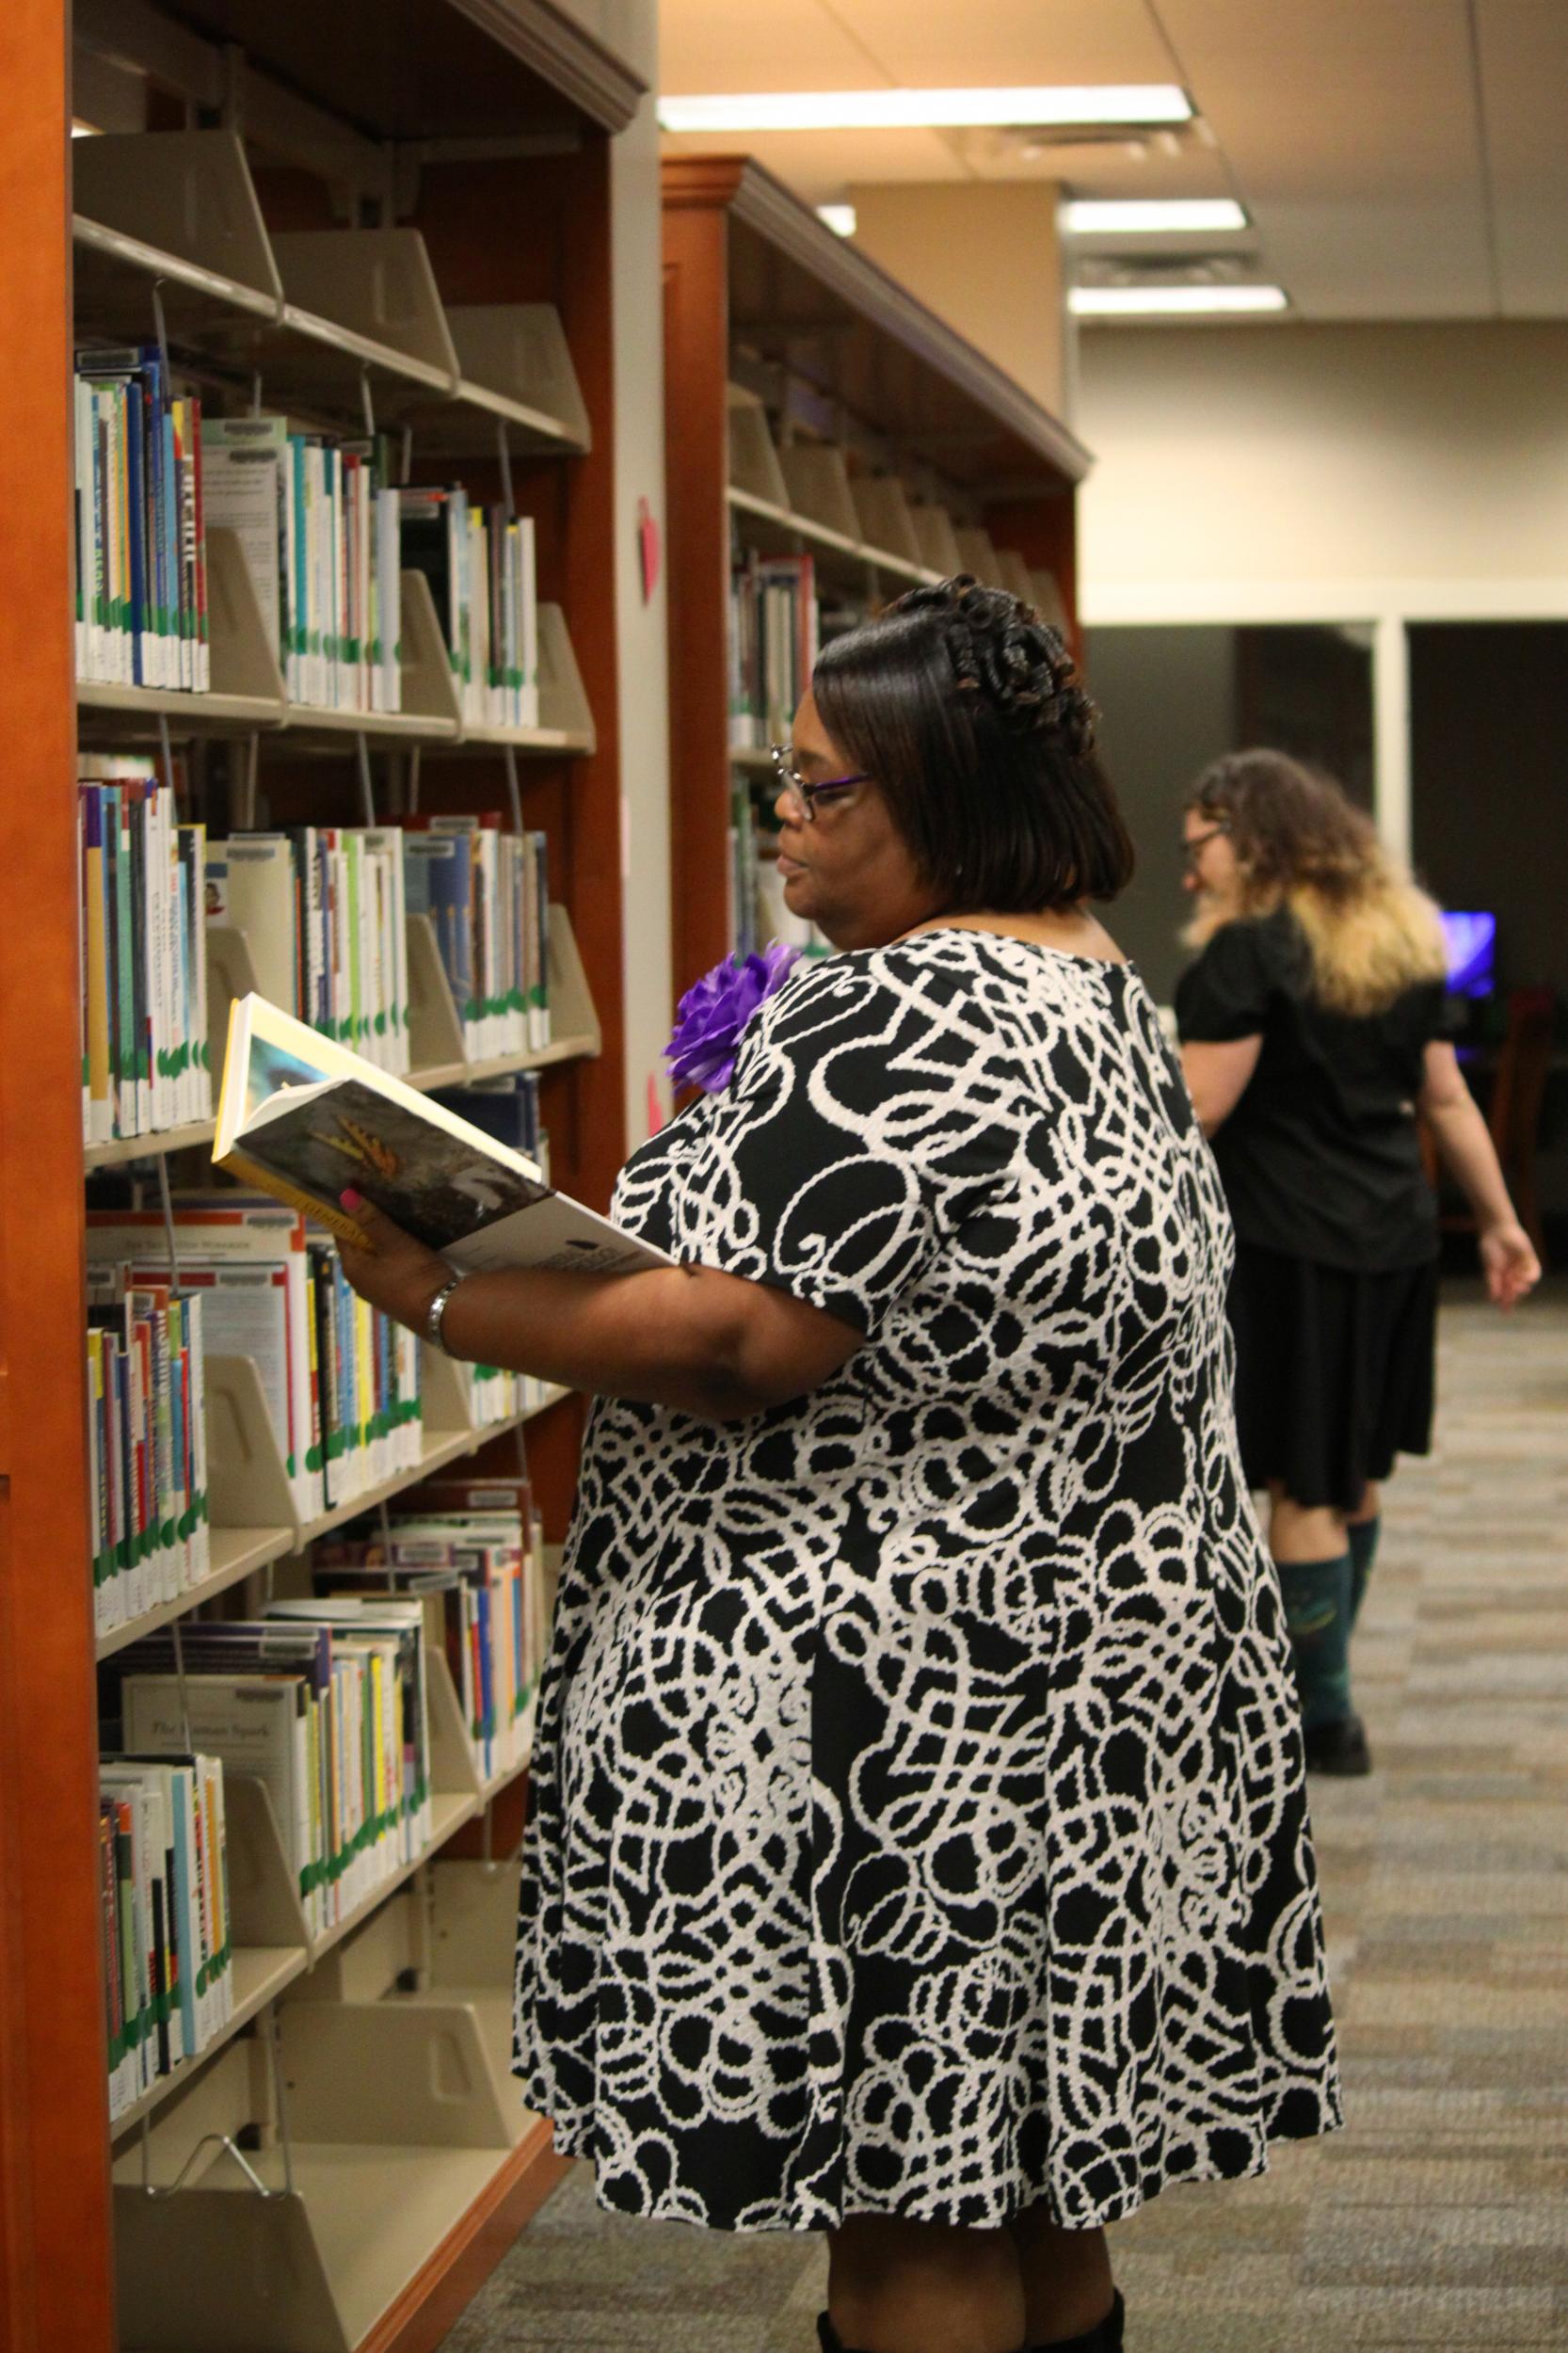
305	1119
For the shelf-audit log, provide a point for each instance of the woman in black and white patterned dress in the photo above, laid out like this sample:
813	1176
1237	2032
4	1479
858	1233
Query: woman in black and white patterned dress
918	1848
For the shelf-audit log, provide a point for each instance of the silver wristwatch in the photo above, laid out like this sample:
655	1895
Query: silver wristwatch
435	1315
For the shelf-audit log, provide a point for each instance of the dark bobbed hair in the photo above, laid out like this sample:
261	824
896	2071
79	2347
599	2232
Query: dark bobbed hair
964	707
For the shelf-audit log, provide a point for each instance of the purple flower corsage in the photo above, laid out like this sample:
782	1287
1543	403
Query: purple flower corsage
713	1012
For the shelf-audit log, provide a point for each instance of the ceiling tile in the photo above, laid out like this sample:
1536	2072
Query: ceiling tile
710	45
1350	128
1524	60
1009	42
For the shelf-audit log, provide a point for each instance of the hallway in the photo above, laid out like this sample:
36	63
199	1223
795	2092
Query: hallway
1438	2222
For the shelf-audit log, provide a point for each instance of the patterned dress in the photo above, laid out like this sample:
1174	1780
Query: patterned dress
918	1823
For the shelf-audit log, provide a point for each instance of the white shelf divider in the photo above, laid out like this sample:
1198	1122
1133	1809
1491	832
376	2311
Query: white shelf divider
978	555
1012	574
374	293
179	206
514	364
754	467
938	545
882	511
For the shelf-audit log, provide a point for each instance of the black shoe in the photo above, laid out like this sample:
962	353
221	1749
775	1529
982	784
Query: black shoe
1106	2338
1341	1749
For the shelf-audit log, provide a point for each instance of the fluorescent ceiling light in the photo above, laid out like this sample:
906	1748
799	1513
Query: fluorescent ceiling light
922	109
839	217
1090	216
1153	302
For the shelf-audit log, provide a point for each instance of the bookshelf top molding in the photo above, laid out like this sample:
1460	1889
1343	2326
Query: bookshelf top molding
956	397
452	68
564	52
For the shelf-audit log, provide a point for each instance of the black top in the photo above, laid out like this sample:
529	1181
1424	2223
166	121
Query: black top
1320	1156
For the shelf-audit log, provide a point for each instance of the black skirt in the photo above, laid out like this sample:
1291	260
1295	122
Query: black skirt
1334	1372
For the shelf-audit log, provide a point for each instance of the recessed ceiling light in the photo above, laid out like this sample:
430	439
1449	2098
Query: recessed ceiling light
922	109
1095	216
1152	302
839	217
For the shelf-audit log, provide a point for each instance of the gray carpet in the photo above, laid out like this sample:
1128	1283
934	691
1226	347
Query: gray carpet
1438	2221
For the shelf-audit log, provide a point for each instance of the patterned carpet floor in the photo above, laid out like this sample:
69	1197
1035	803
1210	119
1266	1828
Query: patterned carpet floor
1437	2222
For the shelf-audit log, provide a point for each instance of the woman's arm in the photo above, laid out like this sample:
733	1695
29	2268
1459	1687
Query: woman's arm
1465	1149
1218	1074
711	1345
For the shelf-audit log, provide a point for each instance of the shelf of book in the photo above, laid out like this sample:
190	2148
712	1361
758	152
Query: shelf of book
785	521
829	419
518	232
297	311
188	714
159	1143
261	1973
441	1448
154	1146
236	1553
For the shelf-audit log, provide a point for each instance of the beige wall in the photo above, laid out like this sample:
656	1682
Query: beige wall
986	256
642	641
1277	472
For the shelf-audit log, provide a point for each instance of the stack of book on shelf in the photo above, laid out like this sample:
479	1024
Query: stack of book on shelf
341	1382
773	638
473	1550
138	542
163	1878
145	1060
508	1110
479	562
318	521
486	892
325	1702
324	910
147	1445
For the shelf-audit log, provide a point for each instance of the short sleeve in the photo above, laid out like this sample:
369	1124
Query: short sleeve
851	1143
1226	994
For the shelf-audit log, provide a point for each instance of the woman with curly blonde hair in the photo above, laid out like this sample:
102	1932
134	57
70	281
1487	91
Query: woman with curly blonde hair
1310	1040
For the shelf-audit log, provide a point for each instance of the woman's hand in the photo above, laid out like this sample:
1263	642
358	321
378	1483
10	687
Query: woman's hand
397	1274
1508	1261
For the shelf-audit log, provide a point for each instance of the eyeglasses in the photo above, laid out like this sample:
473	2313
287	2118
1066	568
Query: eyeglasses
800	798
1193	848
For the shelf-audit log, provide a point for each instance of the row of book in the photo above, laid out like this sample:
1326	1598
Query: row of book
138	540
487	893
473	1551
480	564
326	1703
342	1381
775	633
169	1973
319	521
324	910
508	1110
142	947
759	911
147	1444
327	535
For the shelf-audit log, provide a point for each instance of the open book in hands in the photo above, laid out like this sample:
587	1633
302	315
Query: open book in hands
303	1118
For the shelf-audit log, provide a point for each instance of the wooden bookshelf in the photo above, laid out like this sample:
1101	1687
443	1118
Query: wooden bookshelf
823	410
267	128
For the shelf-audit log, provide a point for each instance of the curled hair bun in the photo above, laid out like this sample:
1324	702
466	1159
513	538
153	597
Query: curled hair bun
1002	651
